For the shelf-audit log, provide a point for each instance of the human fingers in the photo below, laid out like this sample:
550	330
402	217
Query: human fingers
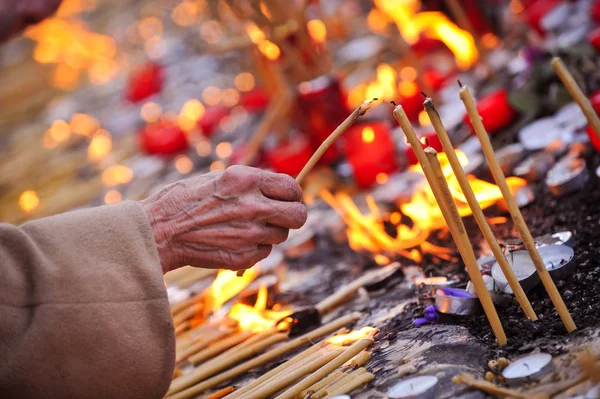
279	186
291	215
275	235
246	259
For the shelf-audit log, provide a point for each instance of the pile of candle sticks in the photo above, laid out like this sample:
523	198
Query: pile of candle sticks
224	359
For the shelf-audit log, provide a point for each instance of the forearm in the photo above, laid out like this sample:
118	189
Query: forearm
83	308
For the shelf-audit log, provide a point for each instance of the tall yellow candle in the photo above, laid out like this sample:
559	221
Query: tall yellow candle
513	208
439	186
439	128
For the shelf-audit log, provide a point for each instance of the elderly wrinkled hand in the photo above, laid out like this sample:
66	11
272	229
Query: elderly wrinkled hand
226	219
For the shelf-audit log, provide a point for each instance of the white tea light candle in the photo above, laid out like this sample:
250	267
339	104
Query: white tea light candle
528	368
413	388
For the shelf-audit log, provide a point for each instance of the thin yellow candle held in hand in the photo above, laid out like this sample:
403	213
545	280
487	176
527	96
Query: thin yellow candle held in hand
358	112
513	208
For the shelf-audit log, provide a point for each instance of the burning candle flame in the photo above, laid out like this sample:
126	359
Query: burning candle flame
257	318
368	231
435	25
226	286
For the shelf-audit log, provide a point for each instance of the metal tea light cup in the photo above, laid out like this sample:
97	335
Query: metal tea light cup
528	369
524	269
456	301
559	260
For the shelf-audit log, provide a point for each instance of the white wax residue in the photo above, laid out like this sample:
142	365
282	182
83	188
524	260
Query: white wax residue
412	386
527	366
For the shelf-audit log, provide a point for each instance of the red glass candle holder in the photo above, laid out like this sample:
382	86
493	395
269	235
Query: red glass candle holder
255	100
211	118
495	110
291	156
321	106
144	82
593	138
537	10
370	150
163	138
594	39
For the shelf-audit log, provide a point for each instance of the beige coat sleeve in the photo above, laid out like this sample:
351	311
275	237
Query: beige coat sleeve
83	308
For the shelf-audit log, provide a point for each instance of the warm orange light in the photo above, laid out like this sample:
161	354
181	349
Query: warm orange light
368	232
244	81
100	146
368	134
223	150
185	14
227	285
183	164
84	124
150	27
374	90
151	112
381	178
489	40
317	30
386	74
193	109
211	95
254	32
407	88
516	7
230	97
377	21
116	175
103	71
357	95
65	77
203	148
112	197
408	73
435	25
216	166
257	318
352	336
424	119
60	131
211	32
29	200
269	49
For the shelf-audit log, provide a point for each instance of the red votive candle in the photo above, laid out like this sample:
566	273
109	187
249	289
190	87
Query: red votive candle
595	100
144	82
371	151
255	100
432	139
163	138
537	10
593	138
595	11
321	107
495	110
211	118
291	156
413	105
594	39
